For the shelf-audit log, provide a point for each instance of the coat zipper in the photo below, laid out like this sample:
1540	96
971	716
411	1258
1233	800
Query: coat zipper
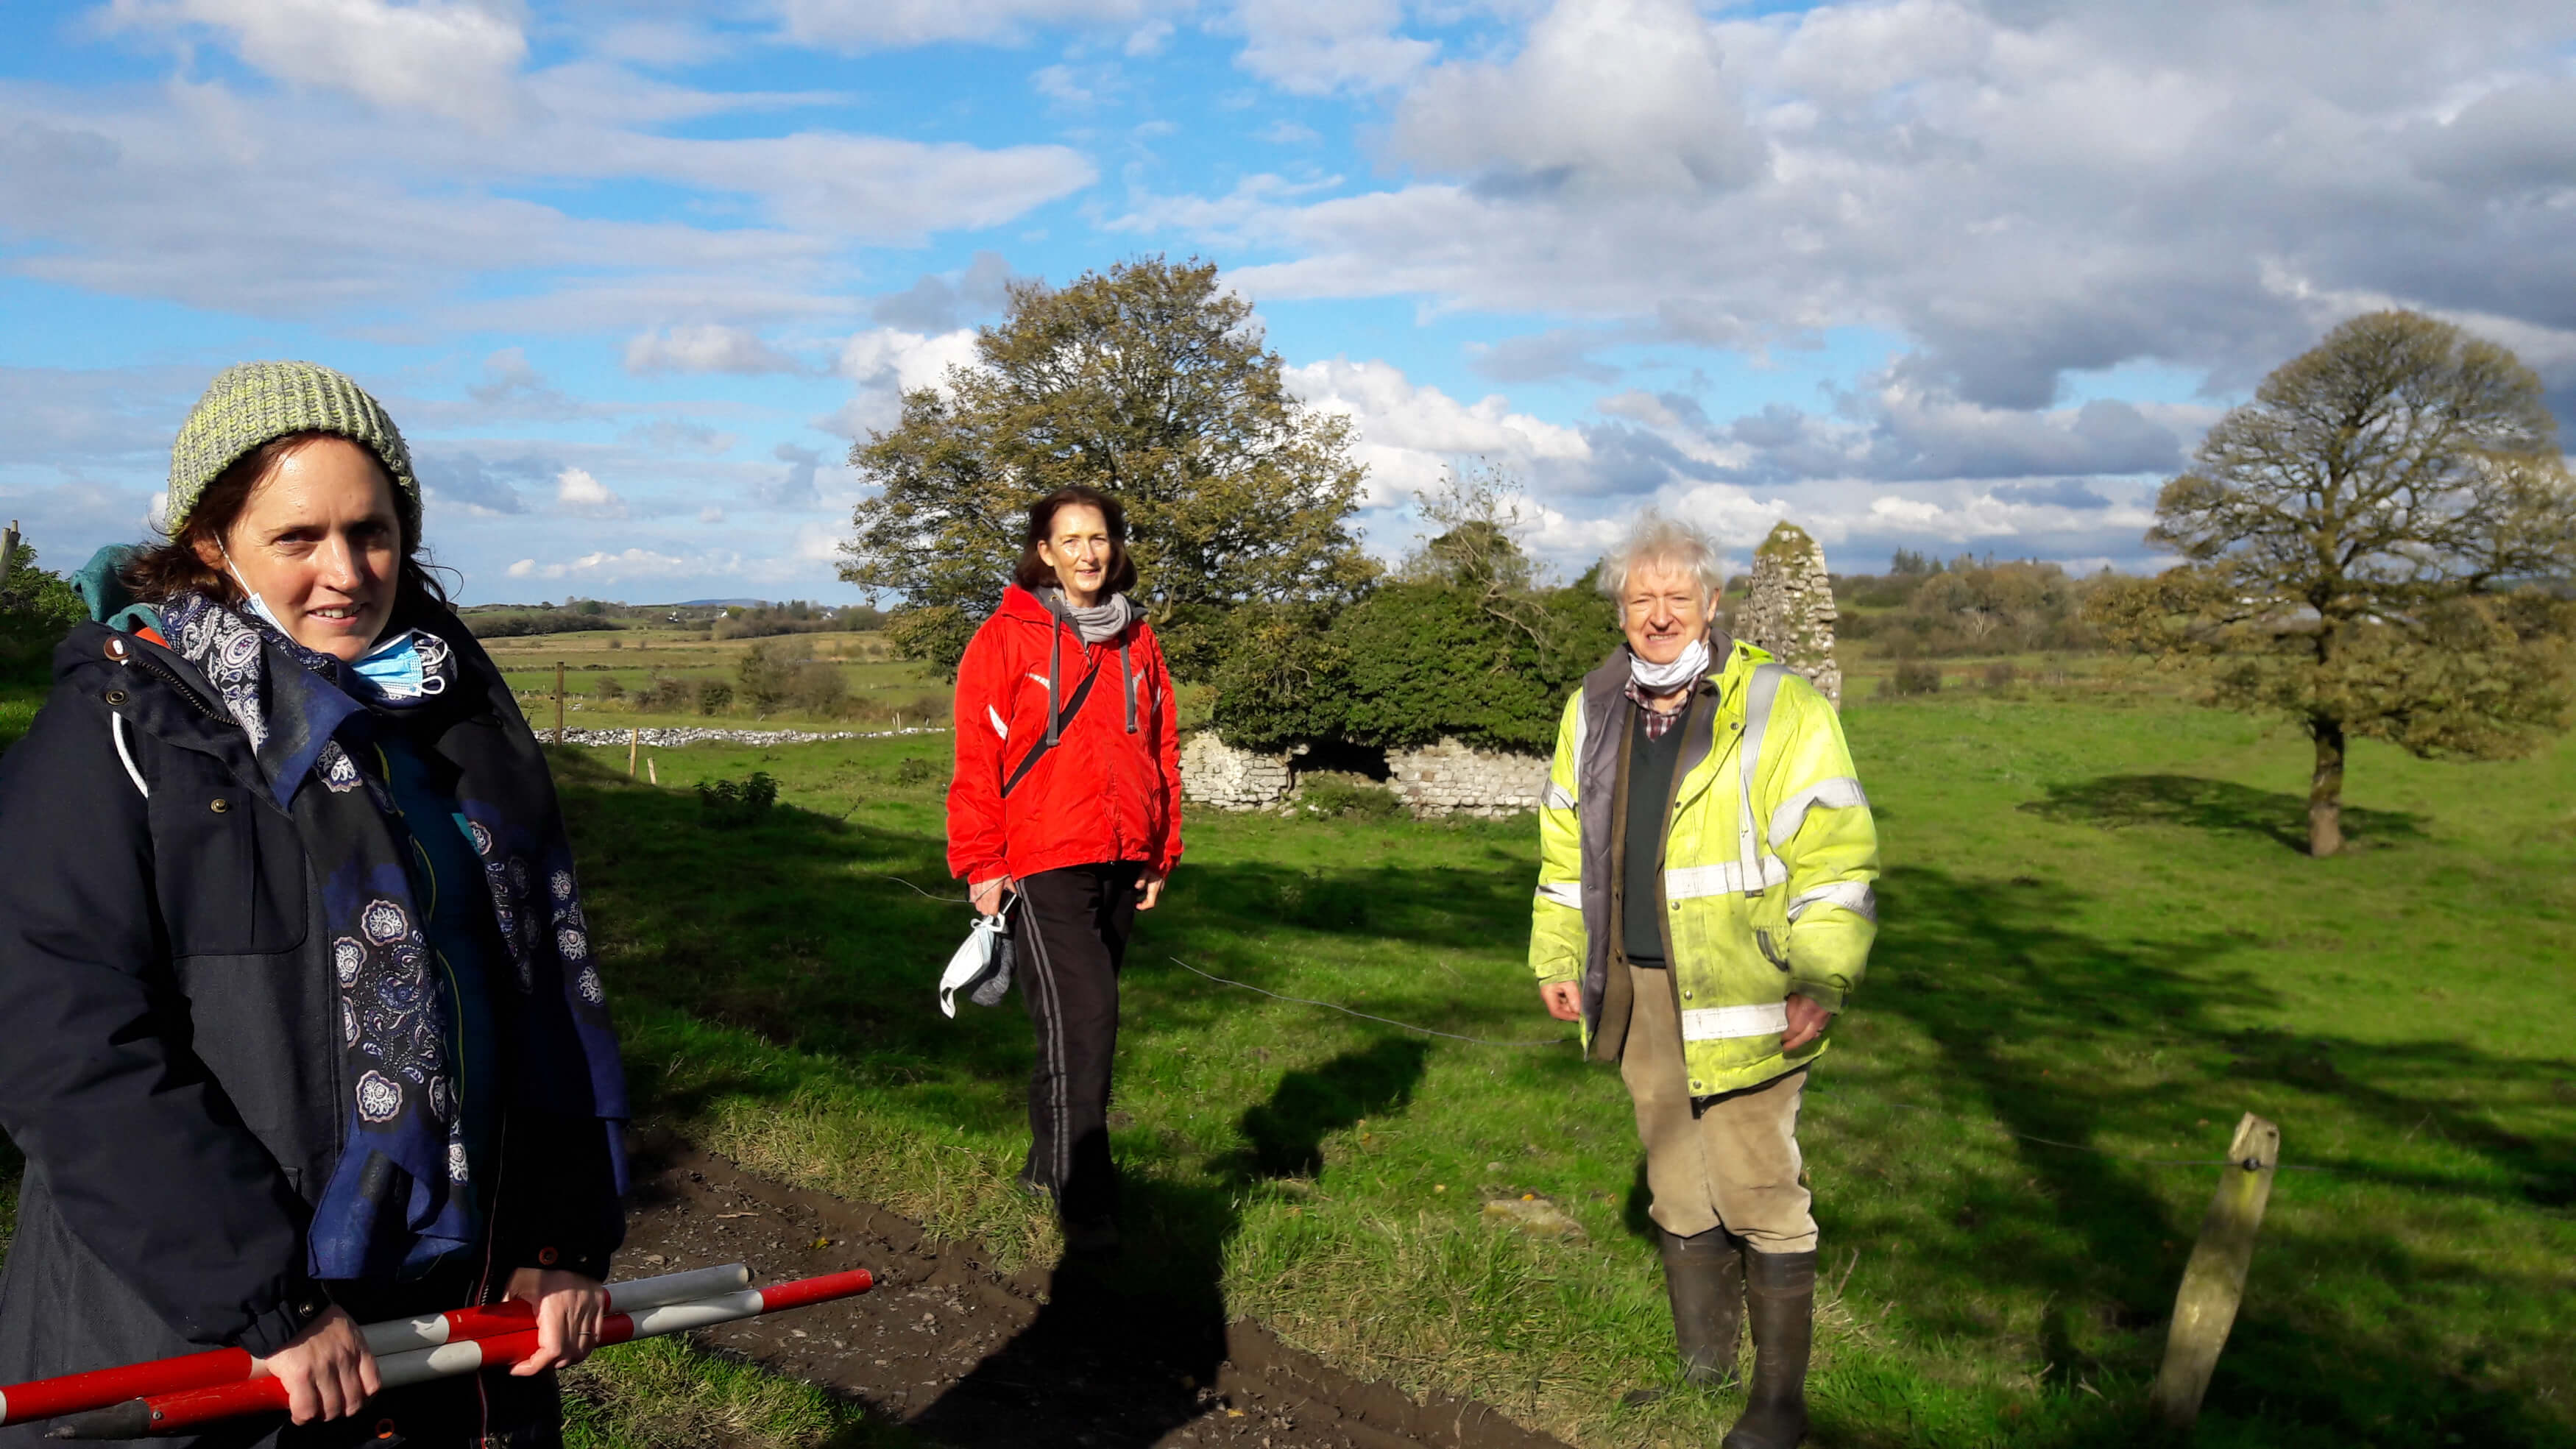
187	692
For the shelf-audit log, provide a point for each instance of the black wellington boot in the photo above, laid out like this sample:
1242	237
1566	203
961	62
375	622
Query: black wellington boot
1780	1291
1704	1278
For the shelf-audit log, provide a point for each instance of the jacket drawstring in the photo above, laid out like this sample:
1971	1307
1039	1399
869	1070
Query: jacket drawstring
1055	669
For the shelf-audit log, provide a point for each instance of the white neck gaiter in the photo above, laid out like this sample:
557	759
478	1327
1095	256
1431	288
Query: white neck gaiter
1665	678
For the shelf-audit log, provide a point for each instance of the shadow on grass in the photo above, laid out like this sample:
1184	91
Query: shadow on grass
2044	1030
2118	801
1286	1134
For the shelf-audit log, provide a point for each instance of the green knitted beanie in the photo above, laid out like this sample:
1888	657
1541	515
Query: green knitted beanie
251	403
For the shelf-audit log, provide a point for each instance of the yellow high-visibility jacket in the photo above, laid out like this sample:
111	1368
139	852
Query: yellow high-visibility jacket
1768	860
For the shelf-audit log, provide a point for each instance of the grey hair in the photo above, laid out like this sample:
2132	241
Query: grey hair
1668	541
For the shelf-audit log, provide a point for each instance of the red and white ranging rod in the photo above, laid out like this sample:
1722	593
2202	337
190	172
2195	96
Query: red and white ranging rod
475	1338
72	1393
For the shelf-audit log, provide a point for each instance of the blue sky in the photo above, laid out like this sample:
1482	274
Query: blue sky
1914	273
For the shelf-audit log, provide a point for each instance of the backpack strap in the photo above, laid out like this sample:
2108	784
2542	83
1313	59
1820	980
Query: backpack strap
1063	718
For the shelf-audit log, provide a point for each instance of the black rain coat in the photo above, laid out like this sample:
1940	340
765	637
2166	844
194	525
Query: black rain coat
169	1061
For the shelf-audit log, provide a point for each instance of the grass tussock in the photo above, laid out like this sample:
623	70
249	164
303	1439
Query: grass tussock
669	1393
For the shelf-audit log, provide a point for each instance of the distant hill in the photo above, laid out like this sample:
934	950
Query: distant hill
711	604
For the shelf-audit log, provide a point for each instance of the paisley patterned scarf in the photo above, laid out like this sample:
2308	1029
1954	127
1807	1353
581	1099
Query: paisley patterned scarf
401	1195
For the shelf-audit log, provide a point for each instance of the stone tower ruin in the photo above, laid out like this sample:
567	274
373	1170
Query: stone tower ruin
1791	611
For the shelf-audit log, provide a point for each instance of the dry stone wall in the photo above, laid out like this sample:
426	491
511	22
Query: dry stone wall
1791	610
1452	779
1216	773
1443	779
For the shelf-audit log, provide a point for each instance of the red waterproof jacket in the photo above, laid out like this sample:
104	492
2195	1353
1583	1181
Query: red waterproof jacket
1110	790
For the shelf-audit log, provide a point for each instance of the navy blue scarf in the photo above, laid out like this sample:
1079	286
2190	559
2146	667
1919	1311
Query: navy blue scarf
401	1195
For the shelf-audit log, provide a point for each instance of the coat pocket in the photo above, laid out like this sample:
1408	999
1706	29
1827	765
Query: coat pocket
229	870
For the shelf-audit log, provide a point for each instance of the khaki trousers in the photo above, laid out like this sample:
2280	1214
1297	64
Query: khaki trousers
1735	1165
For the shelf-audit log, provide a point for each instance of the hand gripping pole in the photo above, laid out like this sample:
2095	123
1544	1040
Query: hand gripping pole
74	1393
180	1412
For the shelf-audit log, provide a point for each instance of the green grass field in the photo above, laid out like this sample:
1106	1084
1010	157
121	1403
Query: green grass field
2098	932
882	688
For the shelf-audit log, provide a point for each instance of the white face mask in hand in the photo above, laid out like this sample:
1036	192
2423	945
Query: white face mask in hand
1665	678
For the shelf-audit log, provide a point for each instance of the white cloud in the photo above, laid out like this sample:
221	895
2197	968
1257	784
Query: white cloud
706	347
885	363
628	564
1409	434
1315	47
2017	192
302	205
1622	94
855	25
450	58
576	491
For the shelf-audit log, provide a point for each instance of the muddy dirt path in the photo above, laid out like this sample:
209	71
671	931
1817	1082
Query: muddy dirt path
973	1359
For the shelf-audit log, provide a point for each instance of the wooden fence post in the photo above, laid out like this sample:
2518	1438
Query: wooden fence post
634	742
2213	1283
558	701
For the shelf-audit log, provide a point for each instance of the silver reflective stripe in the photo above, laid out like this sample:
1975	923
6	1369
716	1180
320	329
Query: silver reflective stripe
1683	882
1854	896
1563	893
1842	792
995	716
1759	695
1724	1023
1557	797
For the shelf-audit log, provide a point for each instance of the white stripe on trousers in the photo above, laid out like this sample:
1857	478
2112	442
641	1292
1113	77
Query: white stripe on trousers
1053	1045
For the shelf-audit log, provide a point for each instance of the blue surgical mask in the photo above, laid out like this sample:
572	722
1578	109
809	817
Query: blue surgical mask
393	669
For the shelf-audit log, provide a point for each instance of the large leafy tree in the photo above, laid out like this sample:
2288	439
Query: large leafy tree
1149	381
2360	543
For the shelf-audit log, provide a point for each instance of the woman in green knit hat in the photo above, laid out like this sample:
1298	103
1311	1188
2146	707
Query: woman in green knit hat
306	1031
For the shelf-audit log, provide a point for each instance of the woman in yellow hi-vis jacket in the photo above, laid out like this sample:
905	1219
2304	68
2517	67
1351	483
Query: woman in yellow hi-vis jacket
1704	906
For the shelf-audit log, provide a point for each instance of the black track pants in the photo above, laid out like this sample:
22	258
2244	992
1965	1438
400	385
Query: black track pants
1070	947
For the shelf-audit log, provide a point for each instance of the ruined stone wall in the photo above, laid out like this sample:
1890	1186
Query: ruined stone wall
1790	610
1451	779
1216	773
1443	779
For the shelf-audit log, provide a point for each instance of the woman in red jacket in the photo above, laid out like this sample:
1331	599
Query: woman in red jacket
1068	792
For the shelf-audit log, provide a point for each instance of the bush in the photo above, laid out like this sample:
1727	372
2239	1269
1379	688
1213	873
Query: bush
1989	608
766	676
714	695
608	689
1912	676
729	803
796	617
664	694
1408	664
820	688
546	621
2001	675
36	609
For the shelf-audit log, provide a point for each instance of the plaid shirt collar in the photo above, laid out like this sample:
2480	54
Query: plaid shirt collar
1657	720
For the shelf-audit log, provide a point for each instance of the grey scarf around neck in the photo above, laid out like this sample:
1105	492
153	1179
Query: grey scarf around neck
1103	623
1098	624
